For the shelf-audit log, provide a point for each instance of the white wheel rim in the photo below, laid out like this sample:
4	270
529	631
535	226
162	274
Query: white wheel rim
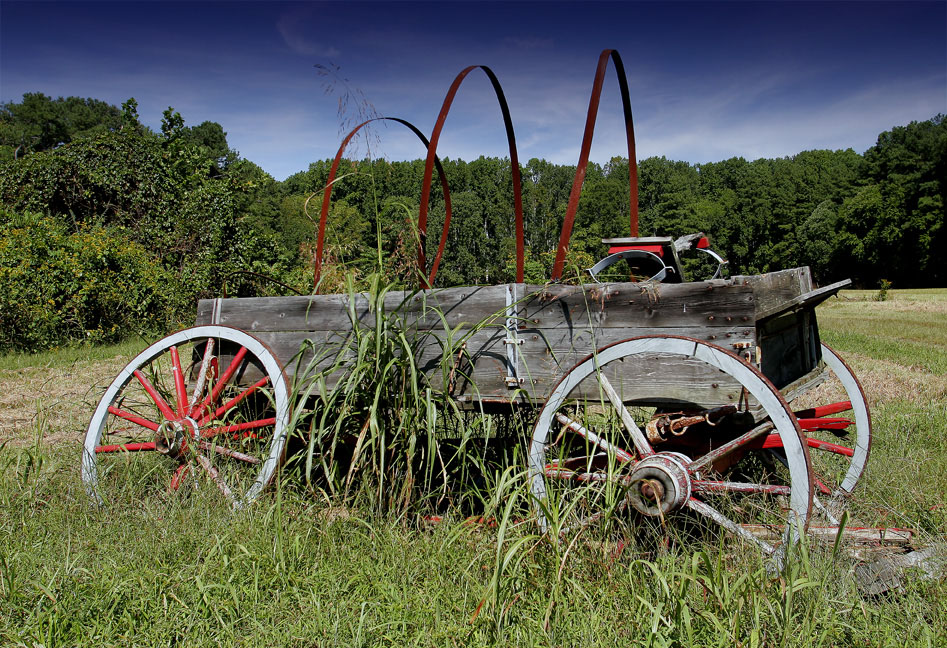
755	383
862	418
273	369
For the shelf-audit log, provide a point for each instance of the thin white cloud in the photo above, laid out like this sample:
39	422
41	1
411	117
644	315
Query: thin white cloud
281	141
295	28
706	131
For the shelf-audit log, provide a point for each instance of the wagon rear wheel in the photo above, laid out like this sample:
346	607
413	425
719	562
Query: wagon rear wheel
593	454
836	424
204	405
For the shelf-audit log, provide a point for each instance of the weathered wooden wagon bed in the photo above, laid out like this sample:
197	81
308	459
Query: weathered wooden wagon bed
713	399
520	339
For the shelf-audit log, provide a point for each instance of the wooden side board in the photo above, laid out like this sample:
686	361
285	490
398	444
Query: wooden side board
464	335
774	290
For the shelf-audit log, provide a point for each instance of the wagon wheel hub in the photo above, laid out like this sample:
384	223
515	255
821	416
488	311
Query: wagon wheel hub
171	437
660	484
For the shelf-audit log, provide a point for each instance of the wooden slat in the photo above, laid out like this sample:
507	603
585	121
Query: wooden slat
699	304
880	536
705	304
808	300
775	289
336	312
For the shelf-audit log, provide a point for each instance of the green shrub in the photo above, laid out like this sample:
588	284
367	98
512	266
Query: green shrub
883	287
94	284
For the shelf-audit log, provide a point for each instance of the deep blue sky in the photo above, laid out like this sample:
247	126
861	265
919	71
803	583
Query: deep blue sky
708	80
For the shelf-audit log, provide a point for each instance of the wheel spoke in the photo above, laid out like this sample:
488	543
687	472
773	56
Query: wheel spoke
224	378
180	474
710	512
829	515
214	474
575	426
707	486
179	387
820	484
201	377
237	427
740	442
155	396
554	472
823	410
137	420
234	401
227	452
637	436
126	447
829	447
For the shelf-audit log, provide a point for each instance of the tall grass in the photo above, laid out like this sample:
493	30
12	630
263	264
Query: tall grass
287	573
375	428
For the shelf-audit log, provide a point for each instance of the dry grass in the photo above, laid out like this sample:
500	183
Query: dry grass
52	402
886	381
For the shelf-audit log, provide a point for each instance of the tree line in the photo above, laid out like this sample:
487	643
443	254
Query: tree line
107	228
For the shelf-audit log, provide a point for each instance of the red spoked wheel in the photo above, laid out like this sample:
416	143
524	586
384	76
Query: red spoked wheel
599	447
207	403
836	424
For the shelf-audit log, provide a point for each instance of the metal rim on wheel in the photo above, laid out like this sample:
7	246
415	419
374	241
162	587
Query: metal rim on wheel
218	423
839	455
671	479
861	444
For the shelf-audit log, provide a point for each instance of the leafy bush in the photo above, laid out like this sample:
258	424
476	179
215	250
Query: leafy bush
883	287
94	284
154	207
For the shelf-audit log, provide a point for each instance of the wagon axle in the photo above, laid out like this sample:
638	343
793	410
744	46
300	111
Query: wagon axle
663	426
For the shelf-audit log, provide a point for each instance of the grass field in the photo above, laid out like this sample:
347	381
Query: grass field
294	571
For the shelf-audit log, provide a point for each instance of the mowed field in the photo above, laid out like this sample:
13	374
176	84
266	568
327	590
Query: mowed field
296	571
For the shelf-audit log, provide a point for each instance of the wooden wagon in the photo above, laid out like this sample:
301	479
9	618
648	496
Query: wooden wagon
704	398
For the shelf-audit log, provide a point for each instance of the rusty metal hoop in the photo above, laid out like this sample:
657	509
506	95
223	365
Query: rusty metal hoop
579	179
330	182
426	185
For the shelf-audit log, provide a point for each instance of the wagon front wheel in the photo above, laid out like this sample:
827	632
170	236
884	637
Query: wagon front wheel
207	405
671	427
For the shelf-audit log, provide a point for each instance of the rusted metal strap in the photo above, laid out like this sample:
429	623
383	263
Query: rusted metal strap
579	179
428	172
327	192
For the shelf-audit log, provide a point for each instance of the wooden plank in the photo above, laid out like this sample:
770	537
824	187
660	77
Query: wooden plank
337	312
808	300
774	289
879	536
699	305
544	359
